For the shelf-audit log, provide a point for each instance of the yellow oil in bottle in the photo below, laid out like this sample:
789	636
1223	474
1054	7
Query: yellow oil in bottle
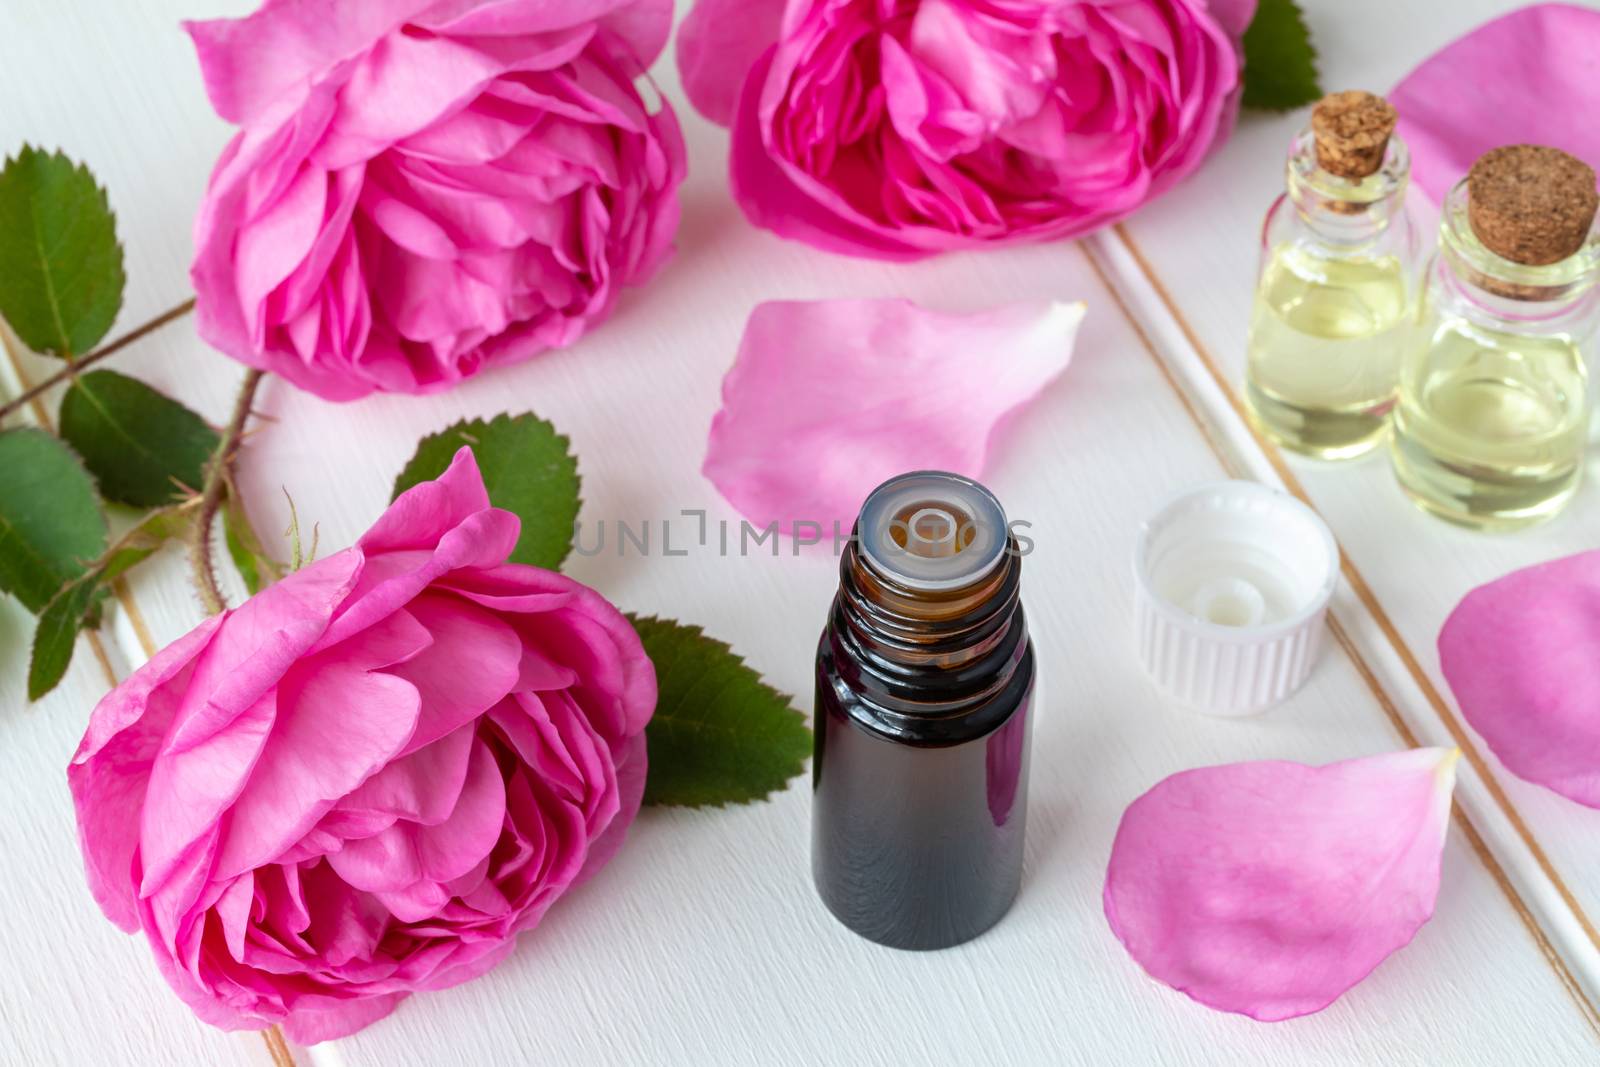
1326	338
1490	427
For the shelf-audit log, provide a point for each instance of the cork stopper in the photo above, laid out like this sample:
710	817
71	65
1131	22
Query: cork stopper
1531	204
1352	130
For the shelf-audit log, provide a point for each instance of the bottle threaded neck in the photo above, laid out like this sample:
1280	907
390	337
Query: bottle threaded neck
929	632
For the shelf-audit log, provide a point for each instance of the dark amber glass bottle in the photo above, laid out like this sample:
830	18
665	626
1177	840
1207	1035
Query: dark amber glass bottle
924	691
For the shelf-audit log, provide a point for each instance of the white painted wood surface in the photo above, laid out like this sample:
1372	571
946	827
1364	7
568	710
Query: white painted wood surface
703	942
1201	246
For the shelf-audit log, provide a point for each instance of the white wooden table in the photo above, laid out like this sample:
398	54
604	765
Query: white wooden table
703	942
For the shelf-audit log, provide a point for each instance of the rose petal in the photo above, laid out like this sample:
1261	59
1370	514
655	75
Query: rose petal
416	902
261	66
527	728
461	842
1270	888
257	642
718	42
769	193
422	787
337	725
190	789
632	768
111	769
278	242
214	740
829	398
1233	16
233	909
474	660
1496	85
1522	655
285	913
265	63
345	924
403	857
589	754
640	27
926	110
1001	76
436	76
391	579
428	510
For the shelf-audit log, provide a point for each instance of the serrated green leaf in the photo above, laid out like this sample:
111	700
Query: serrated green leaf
51	527
57	635
720	735
143	447
1280	64
529	470
76	606
59	254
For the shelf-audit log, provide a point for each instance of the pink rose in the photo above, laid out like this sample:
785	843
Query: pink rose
421	189
368	778
901	128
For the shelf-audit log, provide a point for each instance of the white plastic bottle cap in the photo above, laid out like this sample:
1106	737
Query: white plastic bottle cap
1232	583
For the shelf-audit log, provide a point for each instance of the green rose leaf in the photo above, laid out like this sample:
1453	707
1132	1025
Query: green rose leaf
529	470
59	254
51	527
57	635
720	735
143	447
77	605
1280	65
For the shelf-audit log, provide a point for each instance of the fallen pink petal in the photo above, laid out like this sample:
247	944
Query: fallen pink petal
1522	655
1495	86
829	398
1270	888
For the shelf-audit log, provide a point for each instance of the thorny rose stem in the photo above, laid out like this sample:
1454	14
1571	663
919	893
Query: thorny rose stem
78	366
216	484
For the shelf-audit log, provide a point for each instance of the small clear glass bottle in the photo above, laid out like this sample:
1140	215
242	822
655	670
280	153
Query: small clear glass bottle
1338	284
1494	405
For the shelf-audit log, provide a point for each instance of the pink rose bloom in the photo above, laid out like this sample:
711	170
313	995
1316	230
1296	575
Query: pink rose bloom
368	778
901	128
421	189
